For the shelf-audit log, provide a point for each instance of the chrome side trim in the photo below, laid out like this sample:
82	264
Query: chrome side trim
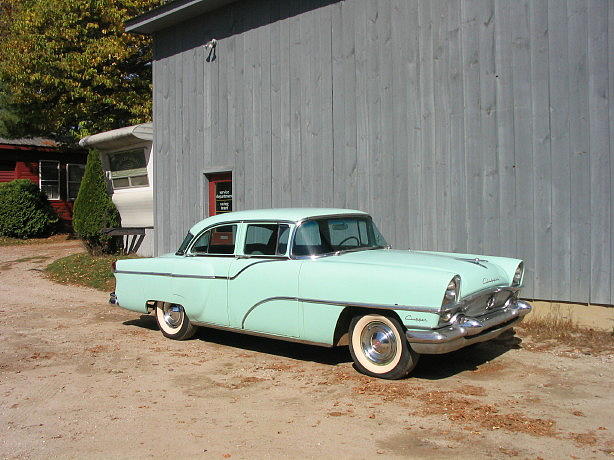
262	334
202	277
255	263
270	299
342	304
170	275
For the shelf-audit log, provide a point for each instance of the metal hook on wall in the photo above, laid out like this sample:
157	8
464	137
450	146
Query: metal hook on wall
210	46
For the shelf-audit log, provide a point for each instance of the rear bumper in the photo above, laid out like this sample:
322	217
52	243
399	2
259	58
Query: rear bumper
467	330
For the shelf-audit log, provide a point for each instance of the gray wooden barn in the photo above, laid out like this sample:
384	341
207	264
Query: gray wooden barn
474	126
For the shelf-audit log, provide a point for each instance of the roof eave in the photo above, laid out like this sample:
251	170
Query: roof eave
172	13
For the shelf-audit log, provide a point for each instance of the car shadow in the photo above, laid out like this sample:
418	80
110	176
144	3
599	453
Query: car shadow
270	346
283	348
436	367
430	367
144	321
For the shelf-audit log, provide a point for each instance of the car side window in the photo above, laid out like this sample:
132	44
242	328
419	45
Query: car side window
266	239
218	240
282	239
308	240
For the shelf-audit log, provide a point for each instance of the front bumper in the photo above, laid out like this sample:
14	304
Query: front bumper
468	330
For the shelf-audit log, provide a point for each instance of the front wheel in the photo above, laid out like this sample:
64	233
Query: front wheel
379	348
173	322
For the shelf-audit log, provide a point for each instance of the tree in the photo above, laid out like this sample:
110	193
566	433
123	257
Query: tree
69	67
94	210
8	118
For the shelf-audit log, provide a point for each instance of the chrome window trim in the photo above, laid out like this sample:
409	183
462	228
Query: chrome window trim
231	222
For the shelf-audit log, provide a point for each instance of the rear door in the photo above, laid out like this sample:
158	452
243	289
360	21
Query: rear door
200	279
263	282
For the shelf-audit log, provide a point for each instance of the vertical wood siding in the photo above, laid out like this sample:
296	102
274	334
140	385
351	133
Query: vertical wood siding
481	126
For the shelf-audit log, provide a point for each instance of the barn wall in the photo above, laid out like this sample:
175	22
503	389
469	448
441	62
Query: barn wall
476	126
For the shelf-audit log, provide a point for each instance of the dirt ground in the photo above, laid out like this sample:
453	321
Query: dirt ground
80	378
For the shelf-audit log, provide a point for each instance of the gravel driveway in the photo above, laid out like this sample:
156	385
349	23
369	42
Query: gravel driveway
81	378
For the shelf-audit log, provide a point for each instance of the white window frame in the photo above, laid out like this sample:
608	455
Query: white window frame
68	181
40	178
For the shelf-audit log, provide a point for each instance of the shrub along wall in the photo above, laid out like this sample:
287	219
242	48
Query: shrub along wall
25	211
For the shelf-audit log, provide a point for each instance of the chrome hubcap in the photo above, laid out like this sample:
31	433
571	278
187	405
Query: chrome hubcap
173	315
379	343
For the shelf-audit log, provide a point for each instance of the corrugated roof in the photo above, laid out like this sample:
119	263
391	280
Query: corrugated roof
30	142
172	13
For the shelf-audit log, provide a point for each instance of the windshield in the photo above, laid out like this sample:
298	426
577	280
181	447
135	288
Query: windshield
325	236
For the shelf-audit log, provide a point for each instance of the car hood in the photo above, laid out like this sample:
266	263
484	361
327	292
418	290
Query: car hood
475	274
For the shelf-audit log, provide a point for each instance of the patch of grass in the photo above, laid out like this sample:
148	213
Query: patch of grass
8	241
85	270
556	328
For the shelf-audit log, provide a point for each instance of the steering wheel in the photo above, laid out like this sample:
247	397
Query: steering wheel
349	238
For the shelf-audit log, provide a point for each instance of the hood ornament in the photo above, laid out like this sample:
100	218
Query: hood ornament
476	261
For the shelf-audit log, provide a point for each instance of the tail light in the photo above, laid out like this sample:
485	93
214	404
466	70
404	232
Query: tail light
114	265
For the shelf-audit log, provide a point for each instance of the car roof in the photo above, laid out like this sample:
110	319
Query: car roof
279	214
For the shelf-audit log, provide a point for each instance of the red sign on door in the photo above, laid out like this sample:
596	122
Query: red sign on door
220	193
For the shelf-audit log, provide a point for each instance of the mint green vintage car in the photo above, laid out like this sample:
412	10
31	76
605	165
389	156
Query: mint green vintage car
324	277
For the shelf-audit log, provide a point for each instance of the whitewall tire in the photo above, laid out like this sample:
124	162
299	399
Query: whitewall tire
173	322
379	348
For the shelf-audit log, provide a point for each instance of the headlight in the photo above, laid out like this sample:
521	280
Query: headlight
452	291
518	275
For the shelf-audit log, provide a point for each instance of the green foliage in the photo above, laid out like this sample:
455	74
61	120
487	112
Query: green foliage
8	117
94	210
25	211
69	67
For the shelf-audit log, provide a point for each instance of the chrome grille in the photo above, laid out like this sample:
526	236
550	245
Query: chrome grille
480	305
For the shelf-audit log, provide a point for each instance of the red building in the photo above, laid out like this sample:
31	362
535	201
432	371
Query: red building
56	170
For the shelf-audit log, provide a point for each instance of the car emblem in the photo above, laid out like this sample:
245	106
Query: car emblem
476	261
490	303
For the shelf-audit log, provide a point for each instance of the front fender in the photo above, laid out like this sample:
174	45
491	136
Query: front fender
415	295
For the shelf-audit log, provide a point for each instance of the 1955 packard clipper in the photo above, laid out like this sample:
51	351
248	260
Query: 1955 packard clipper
325	277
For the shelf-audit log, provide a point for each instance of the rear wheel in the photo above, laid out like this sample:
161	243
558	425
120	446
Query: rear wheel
173	321
379	348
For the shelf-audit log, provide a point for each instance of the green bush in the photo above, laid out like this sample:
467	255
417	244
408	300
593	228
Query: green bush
25	211
94	210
